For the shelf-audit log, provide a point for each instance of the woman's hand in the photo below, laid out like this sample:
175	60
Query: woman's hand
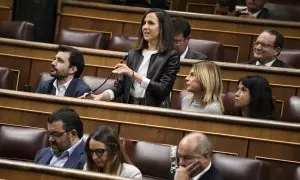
100	97
123	69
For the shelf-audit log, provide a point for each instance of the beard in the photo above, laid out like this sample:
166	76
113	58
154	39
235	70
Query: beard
58	149
58	76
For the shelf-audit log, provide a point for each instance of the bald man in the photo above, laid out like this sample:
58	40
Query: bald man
194	155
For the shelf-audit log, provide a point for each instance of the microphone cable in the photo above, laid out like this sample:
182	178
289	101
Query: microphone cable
94	90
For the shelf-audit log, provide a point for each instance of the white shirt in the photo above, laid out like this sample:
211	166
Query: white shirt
63	158
256	14
61	90
269	64
198	176
184	53
138	90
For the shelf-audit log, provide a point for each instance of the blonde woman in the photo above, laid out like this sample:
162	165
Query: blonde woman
205	85
105	154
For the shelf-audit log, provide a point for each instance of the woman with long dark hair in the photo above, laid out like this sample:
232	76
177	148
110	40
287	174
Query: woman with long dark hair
105	154
148	76
254	98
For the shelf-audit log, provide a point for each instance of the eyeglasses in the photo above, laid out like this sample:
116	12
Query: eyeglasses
263	45
55	134
98	152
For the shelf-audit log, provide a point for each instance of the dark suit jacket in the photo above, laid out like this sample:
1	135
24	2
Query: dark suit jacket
212	174
75	161
266	14
162	71
276	63
195	55
76	88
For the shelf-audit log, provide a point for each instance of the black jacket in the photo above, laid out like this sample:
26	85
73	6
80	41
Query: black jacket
162	71
276	63
267	14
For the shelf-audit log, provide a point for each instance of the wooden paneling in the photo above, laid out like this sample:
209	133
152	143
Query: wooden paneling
283	160
223	144
152	134
6	7
274	142
17	63
230	31
31	59
19	170
200	8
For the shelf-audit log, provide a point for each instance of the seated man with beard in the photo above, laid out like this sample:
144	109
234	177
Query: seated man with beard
66	69
66	149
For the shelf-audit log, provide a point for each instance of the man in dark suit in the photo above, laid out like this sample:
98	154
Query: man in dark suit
65	138
256	9
266	49
182	30
66	69
194	154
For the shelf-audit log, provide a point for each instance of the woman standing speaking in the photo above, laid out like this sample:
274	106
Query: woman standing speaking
148	76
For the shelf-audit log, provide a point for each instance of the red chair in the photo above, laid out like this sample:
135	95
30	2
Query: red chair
83	39
213	49
16	30
291	109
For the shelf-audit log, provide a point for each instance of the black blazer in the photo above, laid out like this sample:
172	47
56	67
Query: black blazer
212	174
76	88
276	63
267	14
195	55
162	71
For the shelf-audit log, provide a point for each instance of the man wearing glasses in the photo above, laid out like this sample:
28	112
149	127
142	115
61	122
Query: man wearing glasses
266	48
194	154
182	30
66	149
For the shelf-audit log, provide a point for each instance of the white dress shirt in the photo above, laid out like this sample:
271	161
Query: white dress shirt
256	14
61	90
138	90
182	56
268	64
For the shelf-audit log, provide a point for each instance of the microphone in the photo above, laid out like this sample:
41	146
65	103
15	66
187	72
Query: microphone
124	59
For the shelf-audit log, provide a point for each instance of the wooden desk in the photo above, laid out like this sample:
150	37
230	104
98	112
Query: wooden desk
13	170
6	7
29	59
236	34
274	142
